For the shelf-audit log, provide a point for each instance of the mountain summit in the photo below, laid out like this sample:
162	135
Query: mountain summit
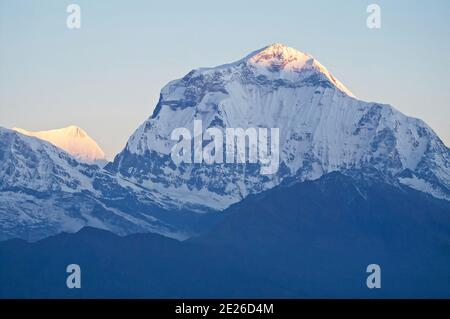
280	61
72	139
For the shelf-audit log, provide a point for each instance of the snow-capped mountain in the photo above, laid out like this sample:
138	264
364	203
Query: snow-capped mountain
323	128
44	191
74	141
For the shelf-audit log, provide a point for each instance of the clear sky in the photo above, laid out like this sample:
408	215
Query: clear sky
106	76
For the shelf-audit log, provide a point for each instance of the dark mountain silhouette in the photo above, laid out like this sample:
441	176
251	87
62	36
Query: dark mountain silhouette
310	239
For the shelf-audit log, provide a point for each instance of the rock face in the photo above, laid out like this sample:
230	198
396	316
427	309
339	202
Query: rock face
74	140
323	128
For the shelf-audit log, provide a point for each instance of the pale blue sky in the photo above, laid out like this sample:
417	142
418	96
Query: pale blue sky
106	77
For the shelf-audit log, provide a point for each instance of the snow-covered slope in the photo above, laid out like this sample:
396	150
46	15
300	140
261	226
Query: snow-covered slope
44	191
74	141
323	128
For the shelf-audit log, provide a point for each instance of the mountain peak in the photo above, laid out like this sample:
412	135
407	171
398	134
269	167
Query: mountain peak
281	61
72	139
279	54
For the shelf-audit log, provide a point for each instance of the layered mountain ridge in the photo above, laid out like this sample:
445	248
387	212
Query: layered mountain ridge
305	240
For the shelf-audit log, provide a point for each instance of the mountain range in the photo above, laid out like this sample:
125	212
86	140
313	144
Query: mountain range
358	183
